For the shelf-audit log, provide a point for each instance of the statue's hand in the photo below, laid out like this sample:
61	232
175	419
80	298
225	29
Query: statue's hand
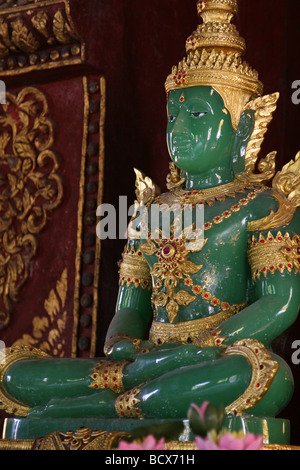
127	349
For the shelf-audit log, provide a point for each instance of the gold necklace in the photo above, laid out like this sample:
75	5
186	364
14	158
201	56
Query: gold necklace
203	196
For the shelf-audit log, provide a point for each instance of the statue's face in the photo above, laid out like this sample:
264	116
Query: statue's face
200	135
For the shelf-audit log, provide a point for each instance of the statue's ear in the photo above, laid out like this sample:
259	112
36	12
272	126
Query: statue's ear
243	134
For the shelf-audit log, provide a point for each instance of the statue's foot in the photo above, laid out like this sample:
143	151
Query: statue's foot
98	405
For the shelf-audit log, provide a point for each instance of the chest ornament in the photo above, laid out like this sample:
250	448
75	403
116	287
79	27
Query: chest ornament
173	268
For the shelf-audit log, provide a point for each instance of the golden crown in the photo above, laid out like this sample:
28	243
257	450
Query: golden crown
214	58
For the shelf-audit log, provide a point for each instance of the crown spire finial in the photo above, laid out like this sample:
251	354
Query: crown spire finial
216	32
214	58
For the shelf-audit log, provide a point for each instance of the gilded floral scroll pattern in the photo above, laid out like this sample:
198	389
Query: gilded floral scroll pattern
48	331
30	188
18	36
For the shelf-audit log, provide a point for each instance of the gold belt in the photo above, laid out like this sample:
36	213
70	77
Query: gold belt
187	332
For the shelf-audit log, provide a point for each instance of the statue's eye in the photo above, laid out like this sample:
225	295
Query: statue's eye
171	118
197	115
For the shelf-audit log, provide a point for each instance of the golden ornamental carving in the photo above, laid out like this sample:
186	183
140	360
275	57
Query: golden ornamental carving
173	267
81	439
188	332
62	29
30	188
38	35
18	35
146	189
48	331
174	179
264	108
264	369
211	195
286	190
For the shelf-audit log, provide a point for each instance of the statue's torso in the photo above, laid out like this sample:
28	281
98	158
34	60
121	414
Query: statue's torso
190	284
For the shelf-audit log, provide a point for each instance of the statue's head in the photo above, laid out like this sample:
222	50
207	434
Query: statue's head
209	124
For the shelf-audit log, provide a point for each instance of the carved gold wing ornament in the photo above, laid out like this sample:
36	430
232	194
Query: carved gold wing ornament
30	188
286	189
286	183
264	108
146	189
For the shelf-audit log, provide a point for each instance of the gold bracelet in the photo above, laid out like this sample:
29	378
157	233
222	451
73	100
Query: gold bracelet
127	404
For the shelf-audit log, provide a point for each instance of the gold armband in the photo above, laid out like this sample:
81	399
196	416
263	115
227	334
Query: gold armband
264	369
108	375
274	253
134	269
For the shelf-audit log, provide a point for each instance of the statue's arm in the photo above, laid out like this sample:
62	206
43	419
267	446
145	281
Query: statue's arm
127	330
274	295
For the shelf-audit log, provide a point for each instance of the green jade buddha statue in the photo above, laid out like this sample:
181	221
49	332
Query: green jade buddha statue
215	307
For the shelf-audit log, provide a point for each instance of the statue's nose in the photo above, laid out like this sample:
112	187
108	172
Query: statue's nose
181	124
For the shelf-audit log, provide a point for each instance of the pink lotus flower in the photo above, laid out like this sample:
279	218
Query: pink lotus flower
201	409
150	443
230	442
